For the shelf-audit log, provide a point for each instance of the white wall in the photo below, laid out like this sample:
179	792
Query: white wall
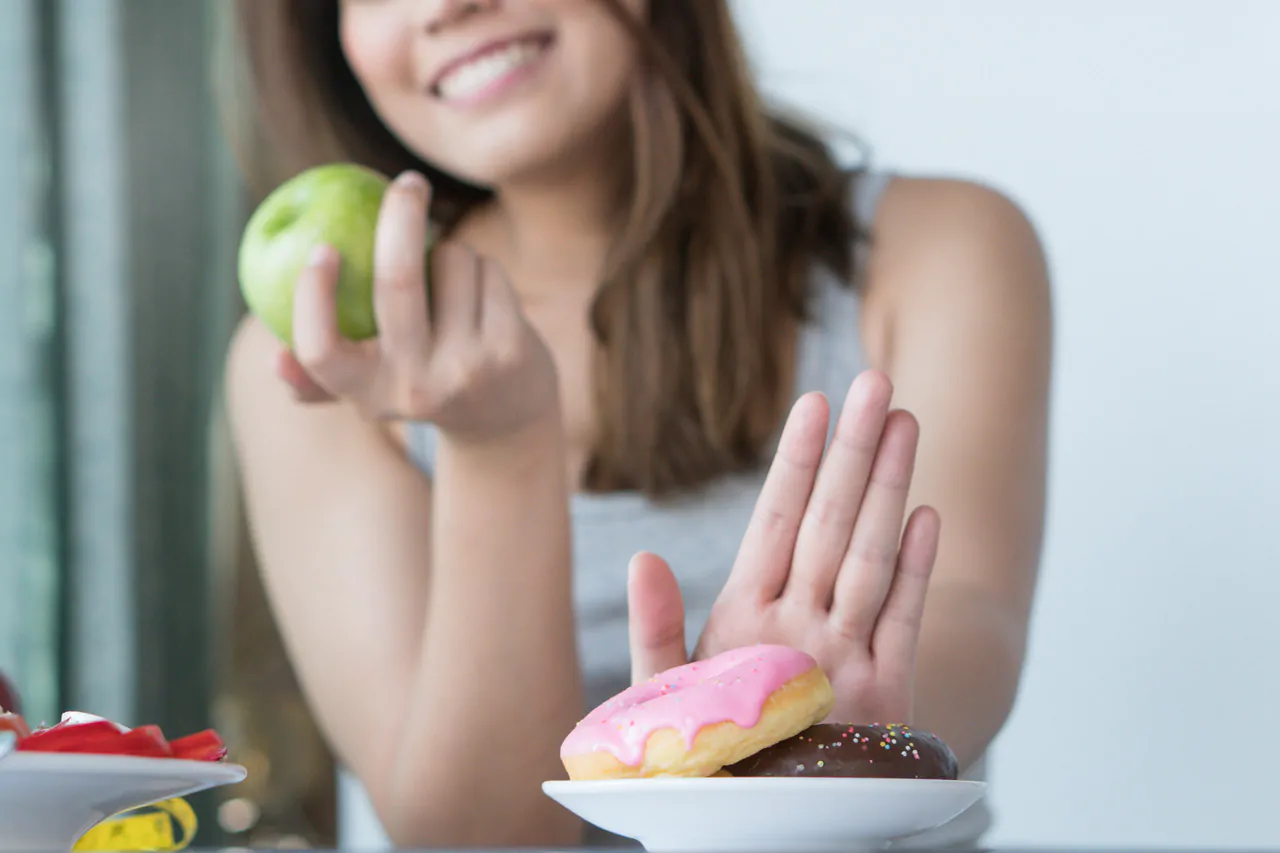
1144	139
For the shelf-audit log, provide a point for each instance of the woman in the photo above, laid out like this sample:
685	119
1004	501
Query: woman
640	270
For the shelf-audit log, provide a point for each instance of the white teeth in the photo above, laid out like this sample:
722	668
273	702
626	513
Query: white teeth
473	77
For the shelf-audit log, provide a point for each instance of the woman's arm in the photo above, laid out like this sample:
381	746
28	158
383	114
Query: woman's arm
430	624
959	316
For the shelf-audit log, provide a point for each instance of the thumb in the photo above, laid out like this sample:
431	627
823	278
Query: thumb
655	616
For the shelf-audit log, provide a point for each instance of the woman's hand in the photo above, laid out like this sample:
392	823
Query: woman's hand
825	565
459	354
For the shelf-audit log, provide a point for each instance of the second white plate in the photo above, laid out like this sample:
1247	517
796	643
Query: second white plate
765	814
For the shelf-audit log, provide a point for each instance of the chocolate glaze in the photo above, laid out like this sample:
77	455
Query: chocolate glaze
838	749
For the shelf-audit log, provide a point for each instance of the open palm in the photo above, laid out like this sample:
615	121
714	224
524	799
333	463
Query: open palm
825	565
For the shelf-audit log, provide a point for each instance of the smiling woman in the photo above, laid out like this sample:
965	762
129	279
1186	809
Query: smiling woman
362	87
643	286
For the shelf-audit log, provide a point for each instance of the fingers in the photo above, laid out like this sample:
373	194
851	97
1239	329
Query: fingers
897	631
399	263
868	566
500	312
655	617
765	557
828	521
334	363
456	291
429	321
305	389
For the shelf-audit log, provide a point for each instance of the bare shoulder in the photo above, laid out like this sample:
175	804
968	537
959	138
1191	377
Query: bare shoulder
954	214
946	251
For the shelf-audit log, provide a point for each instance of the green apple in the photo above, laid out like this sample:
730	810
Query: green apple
336	204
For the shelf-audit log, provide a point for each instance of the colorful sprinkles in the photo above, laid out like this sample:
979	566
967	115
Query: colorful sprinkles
893	750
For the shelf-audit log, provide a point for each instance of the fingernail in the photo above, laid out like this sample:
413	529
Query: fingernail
412	181
320	255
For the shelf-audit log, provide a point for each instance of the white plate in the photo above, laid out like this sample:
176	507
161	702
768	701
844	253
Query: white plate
765	814
49	800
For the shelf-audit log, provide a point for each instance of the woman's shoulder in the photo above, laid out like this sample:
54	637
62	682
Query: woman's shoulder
944	249
924	212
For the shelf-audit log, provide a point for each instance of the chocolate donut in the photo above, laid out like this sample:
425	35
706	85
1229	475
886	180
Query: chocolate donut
839	749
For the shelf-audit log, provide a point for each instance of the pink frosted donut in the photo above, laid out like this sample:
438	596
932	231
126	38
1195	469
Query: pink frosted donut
695	719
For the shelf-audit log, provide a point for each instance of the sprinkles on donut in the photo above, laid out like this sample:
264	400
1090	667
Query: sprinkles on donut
839	750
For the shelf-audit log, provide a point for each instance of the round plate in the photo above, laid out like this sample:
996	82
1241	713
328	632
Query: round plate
765	814
49	800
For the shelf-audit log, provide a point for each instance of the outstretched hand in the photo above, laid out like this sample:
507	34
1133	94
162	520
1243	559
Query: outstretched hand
825	565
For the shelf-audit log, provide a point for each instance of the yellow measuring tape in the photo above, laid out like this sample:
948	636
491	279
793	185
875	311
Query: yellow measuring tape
160	828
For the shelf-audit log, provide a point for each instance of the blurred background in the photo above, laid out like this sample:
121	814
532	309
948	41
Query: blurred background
1141	136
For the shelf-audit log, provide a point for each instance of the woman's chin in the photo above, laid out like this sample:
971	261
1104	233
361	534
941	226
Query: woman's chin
550	153
504	173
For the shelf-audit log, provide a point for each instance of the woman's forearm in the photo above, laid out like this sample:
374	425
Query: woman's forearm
967	669
499	684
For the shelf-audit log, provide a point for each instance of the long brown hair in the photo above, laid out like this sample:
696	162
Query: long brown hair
731	205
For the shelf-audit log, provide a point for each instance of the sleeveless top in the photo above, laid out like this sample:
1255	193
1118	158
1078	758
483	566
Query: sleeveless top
699	534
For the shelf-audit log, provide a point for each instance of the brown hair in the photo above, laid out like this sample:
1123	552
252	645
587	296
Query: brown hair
731	205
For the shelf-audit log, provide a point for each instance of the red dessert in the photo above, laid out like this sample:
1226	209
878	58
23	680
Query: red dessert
201	746
95	736
90	735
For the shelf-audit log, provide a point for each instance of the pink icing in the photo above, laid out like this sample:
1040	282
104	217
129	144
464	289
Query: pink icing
732	686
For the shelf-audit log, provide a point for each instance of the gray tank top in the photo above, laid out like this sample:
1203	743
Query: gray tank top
699	535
